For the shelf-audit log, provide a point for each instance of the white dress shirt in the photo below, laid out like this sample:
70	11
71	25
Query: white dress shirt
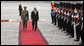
35	12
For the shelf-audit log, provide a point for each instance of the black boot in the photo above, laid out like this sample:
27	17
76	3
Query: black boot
76	40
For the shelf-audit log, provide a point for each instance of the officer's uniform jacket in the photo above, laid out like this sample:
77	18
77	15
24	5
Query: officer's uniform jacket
24	15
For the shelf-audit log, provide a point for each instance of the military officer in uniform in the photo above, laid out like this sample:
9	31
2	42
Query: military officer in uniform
25	17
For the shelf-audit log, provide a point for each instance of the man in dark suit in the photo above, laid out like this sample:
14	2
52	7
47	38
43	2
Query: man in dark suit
35	18
20	9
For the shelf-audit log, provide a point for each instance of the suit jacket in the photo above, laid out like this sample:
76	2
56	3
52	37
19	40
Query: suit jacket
34	17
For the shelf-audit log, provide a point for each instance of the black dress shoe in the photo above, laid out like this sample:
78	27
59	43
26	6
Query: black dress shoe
80	43
67	34
71	37
54	24
58	26
76	40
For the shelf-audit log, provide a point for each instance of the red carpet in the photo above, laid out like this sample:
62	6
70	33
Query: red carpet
4	20
31	37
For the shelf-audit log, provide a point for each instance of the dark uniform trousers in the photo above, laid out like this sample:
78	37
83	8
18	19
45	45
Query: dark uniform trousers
61	22
64	24
52	17
70	29
67	27
78	31
82	36
59	19
55	19
82	32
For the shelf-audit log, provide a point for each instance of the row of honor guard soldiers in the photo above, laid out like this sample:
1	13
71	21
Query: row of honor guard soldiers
69	17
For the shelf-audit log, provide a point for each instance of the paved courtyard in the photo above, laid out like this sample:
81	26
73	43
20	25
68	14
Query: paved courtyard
10	30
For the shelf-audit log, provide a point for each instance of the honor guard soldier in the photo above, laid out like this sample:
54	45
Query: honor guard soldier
52	10
59	17
64	22
62	18
70	26
52	13
66	18
57	13
53	16
77	22
81	17
60	21
61	10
